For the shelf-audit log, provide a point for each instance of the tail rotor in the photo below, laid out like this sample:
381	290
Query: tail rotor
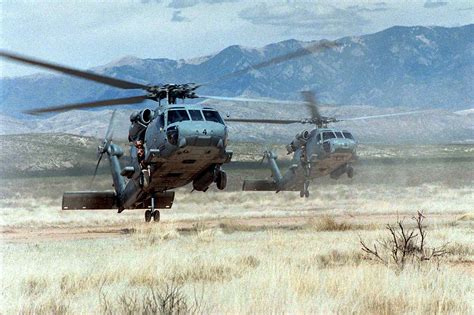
101	149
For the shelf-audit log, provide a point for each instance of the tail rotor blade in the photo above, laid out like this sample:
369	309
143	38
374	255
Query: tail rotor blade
110	129
96	168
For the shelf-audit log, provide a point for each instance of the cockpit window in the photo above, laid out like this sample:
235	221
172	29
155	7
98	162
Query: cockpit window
177	115
328	135
318	137
212	115
195	114
338	134
348	135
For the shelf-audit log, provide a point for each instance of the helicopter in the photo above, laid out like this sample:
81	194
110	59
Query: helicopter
316	153
170	146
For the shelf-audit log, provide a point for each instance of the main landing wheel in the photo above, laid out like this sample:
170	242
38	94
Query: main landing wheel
156	215
221	180
148	215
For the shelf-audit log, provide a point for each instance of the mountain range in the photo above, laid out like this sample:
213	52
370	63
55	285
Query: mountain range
398	69
400	66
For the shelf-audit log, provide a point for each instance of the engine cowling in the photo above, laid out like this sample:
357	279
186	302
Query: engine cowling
299	141
140	121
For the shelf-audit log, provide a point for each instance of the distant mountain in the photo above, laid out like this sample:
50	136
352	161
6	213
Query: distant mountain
436	126
429	67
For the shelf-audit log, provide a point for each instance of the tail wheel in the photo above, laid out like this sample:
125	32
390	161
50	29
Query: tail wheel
221	180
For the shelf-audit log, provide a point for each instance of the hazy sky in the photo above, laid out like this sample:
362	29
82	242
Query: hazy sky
89	33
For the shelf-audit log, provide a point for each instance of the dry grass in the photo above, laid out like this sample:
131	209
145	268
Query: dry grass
311	270
245	253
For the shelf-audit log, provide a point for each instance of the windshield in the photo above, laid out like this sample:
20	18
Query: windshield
328	135
348	135
338	134
212	115
177	115
195	114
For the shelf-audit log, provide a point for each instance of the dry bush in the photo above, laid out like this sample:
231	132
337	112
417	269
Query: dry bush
230	226
404	245
466	217
53	305
153	235
248	261
34	285
328	223
167	298
203	272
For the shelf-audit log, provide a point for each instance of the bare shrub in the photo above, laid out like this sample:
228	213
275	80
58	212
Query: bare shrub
404	245
167	298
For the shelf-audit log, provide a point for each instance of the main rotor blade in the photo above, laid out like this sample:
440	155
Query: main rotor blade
312	105
317	47
387	115
266	121
63	108
73	72
256	100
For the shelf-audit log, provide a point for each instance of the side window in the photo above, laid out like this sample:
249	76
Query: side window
195	114
212	115
328	135
339	134
348	135
318	137
177	115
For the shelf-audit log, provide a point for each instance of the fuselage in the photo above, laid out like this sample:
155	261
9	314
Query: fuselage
182	144
328	149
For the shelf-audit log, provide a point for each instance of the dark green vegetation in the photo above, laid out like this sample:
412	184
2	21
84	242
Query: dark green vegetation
45	165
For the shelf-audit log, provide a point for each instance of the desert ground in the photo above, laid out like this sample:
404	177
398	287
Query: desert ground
235	252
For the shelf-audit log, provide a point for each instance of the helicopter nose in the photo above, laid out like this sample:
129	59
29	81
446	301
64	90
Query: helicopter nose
340	146
202	134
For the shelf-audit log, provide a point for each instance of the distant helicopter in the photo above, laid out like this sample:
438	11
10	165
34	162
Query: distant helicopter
171	146
318	152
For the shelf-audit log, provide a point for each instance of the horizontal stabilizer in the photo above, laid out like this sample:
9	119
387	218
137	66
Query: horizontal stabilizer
259	185
89	200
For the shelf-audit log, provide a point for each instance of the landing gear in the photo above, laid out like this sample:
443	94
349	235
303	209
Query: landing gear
350	172
156	215
305	191
152	213
148	215
221	180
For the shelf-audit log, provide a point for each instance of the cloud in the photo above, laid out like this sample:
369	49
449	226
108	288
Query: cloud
177	17
181	4
325	20
430	4
376	7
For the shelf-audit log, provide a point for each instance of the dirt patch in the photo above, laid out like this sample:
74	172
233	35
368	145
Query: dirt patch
31	234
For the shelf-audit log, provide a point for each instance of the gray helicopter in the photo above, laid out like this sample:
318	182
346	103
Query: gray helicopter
171	146
318	152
